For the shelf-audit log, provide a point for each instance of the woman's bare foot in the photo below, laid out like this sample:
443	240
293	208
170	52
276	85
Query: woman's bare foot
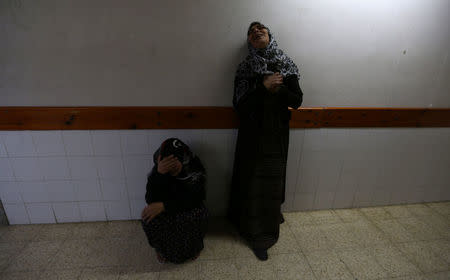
194	258
160	258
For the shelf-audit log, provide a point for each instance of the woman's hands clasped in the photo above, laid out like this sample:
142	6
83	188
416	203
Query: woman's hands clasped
273	82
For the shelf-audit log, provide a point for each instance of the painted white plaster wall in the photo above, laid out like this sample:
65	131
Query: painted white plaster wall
148	52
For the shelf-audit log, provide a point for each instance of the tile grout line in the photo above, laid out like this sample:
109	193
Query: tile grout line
334	249
299	160
71	178
301	251
363	247
2	143
43	178
99	182
2	139
120	134
21	193
391	243
337	183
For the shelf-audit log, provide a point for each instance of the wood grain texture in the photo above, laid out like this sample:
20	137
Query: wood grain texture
92	118
386	117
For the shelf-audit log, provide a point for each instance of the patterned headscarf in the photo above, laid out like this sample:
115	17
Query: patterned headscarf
193	171
265	61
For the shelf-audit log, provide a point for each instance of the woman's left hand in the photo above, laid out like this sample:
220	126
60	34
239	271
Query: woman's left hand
151	211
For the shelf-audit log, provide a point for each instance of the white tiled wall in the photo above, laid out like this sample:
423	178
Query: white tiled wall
69	176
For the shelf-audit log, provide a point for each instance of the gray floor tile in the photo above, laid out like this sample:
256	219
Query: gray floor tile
438	224
218	247
311	238
394	262
100	273
398	211
420	209
9	251
291	267
409	277
421	254
73	254
420	229
350	215
444	275
185	271
394	230
327	265
440	248
442	208
143	276
340	235
325	217
19	232
90	230
376	213
298	219
241	249
25	275
72	274
35	256
218	269
368	235
53	232
362	264
139	272
286	242
253	269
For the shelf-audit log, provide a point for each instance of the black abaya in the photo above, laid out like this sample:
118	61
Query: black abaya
259	172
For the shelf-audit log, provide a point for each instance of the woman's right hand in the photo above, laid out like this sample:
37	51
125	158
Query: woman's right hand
168	164
273	82
151	211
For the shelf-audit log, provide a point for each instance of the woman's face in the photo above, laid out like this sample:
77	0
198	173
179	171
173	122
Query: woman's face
258	36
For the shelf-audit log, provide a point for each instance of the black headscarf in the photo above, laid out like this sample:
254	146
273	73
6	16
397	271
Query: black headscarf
193	171
265	61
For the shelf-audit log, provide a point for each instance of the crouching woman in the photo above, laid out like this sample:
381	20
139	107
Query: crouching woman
175	217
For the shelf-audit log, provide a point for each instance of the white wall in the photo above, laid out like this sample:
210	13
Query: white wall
148	52
71	176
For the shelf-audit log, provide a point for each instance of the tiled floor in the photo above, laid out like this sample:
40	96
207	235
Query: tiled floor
395	242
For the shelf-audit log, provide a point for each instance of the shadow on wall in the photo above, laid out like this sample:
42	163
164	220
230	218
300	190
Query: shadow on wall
239	55
10	9
218	164
3	219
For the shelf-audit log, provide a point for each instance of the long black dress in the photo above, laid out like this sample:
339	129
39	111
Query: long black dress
258	183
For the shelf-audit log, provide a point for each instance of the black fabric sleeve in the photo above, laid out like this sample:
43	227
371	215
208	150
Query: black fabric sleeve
189	194
155	183
291	92
251	99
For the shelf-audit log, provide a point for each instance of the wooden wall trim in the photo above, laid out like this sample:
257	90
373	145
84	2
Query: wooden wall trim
386	117
92	118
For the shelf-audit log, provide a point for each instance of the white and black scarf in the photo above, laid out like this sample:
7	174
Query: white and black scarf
193	171
260	62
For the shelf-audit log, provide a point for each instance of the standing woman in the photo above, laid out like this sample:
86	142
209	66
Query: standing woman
266	84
